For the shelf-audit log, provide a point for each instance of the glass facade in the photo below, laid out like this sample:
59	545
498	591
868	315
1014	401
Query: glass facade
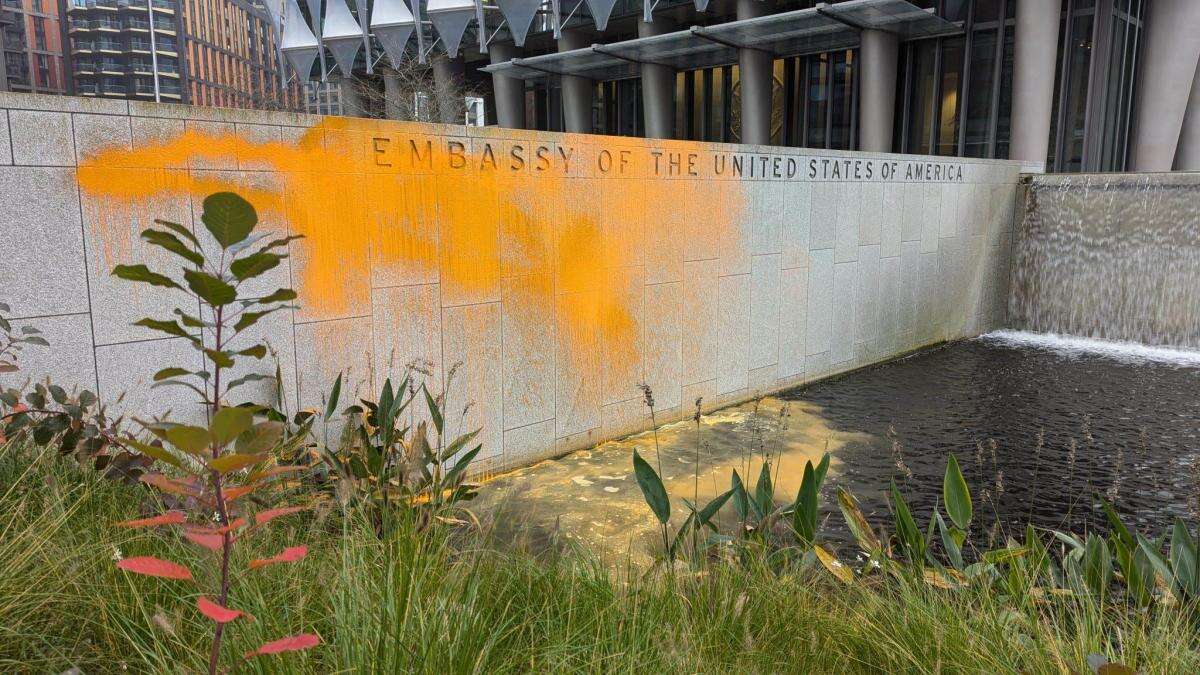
953	93
1094	86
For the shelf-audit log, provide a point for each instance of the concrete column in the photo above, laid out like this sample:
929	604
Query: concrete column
447	85
756	74
509	92
393	107
879	52
352	103
1035	57
1169	55
658	86
576	91
1187	155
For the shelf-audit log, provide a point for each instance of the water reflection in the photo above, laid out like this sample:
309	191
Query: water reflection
591	497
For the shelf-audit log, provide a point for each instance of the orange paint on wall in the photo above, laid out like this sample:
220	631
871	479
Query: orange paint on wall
387	203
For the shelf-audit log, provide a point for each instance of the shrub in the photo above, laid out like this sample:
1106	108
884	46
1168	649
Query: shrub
221	465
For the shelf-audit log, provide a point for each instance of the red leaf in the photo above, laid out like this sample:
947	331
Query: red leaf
212	542
168	518
271	514
237	492
291	643
154	567
218	613
167	485
289	554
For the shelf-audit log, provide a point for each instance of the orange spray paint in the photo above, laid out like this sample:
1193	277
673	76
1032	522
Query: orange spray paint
387	203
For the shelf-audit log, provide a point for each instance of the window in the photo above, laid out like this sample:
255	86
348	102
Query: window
954	93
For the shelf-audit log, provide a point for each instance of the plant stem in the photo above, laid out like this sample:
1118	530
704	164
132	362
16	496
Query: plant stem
222	509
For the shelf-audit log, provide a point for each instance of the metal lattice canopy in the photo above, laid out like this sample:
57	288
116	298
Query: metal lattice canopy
342	35
298	43
450	18
393	25
805	31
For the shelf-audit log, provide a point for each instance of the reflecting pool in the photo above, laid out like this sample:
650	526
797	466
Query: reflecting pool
1041	425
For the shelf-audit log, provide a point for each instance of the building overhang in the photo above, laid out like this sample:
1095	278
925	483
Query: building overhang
805	31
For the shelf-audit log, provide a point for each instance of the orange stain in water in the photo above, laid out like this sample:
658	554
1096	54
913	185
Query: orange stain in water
388	203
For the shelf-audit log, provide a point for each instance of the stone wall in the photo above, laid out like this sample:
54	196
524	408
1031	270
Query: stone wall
550	273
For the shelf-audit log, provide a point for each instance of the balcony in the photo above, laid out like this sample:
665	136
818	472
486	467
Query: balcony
139	45
106	25
85	89
140	25
82	46
80	26
111	46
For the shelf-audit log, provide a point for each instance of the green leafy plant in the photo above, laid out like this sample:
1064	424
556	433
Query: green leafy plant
14	339
218	467
75	421
386	459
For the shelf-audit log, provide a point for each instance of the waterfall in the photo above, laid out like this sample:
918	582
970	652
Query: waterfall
1112	256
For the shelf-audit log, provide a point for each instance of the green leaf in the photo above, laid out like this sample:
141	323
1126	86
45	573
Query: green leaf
168	327
4	307
257	351
253	265
248	377
652	488
704	517
228	217
191	439
235	461
741	499
36	340
1117	526
953	550
821	470
143	274
276	243
259	438
248	319
334	395
804	510
857	522
456	473
1158	563
167	373
229	423
764	491
221	358
1184	561
910	535
210	289
170	242
154	451
180	230
956	495
280	295
189	320
434	411
1097	565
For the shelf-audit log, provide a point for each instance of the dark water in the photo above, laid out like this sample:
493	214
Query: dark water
1039	432
1040	425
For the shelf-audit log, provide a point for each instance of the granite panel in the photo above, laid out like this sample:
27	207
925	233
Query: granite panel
733	332
764	310
41	138
69	361
42	270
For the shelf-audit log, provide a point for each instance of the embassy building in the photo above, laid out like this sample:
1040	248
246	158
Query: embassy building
1081	85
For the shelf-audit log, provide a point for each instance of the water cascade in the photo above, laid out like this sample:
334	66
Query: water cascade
1113	256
